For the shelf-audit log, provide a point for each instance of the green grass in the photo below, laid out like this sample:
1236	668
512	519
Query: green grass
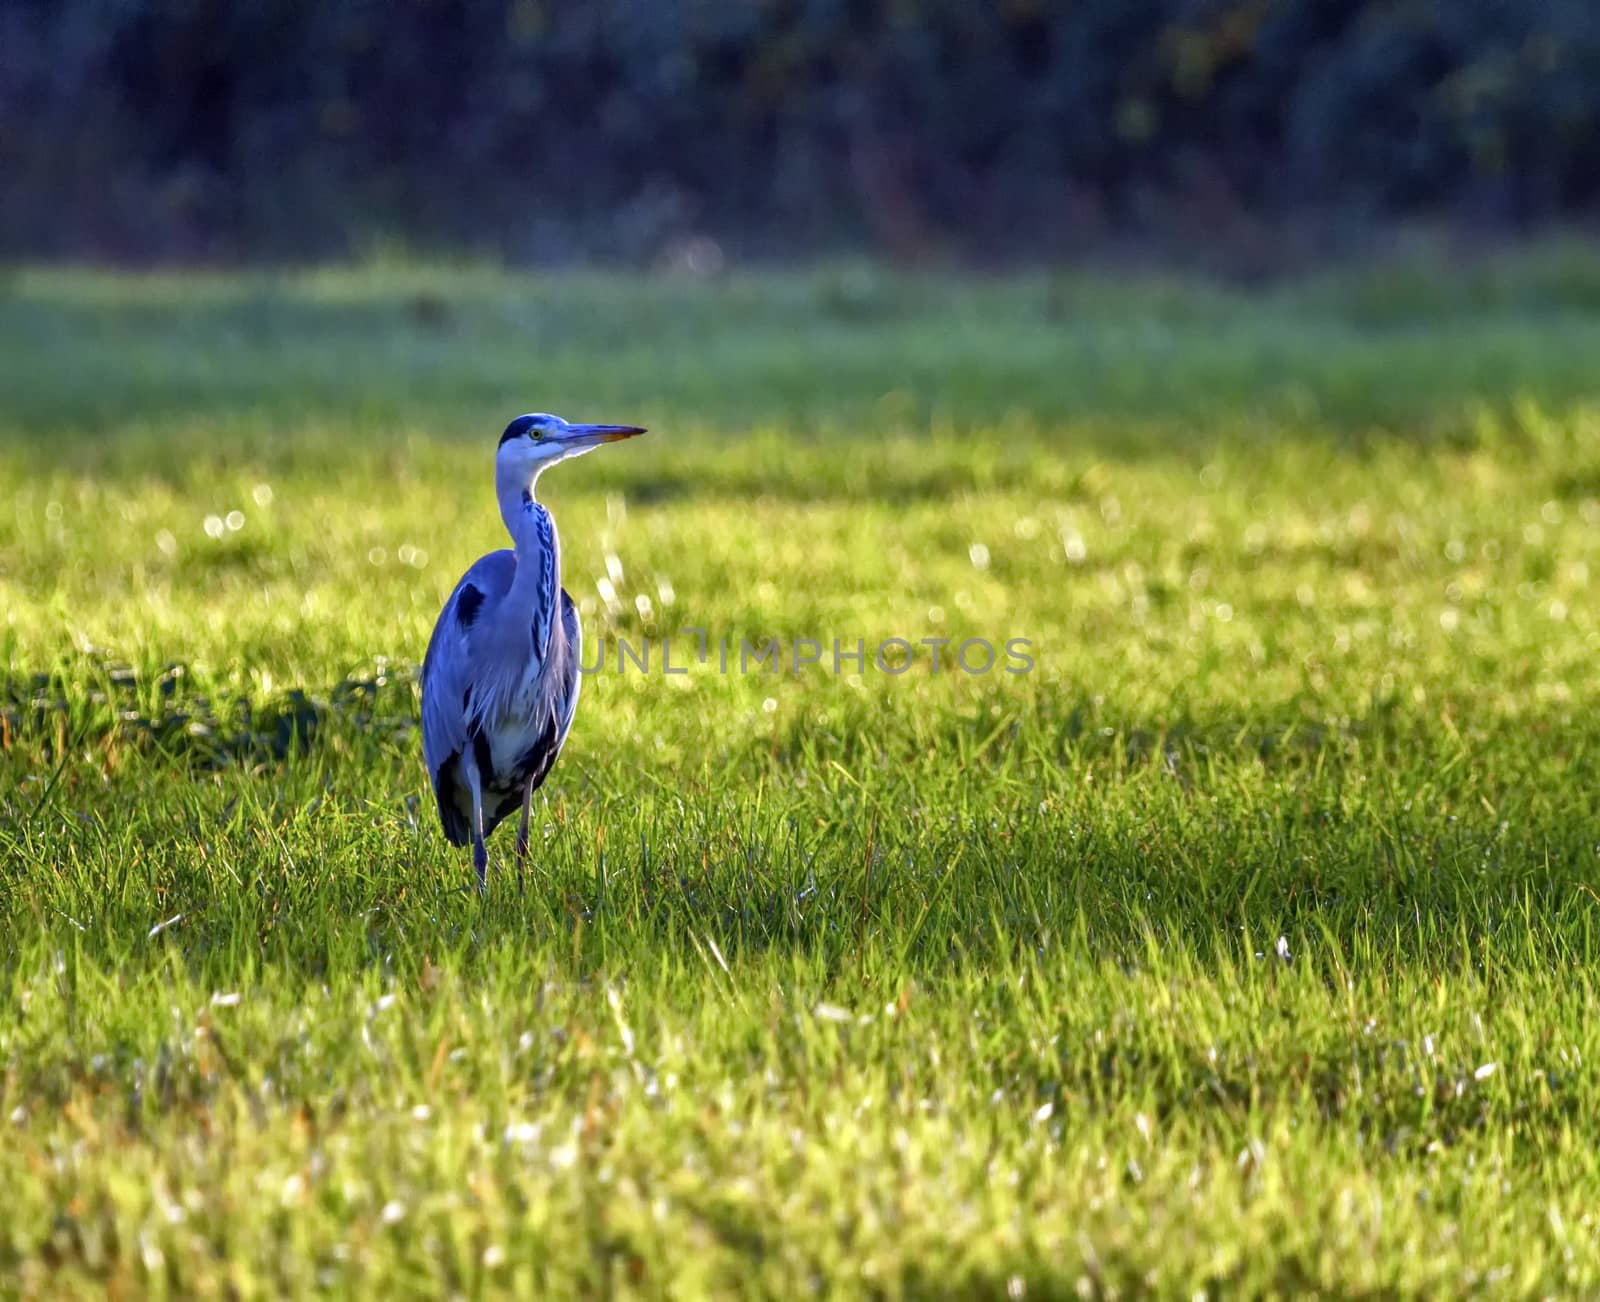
857	983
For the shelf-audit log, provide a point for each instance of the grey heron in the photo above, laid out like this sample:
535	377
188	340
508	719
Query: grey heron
500	679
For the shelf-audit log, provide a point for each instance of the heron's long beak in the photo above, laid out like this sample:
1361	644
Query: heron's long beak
592	435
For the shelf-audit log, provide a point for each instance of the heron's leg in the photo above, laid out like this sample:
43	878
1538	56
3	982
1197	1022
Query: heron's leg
480	860
480	852
522	833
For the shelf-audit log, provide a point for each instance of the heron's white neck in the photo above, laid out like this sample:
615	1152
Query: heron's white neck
533	534
514	486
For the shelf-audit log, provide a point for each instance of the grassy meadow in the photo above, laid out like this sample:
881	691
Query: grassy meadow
1245	946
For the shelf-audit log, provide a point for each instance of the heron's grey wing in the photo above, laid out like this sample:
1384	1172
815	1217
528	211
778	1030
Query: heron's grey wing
558	705
563	691
572	678
448	681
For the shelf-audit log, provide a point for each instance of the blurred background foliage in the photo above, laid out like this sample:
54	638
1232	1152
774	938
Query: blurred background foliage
692	130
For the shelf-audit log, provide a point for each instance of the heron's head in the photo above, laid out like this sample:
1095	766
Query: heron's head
536	441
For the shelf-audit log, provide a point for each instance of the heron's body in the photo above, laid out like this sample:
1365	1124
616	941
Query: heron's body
516	721
500	679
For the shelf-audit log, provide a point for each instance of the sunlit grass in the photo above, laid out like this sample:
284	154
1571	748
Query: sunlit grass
1245	944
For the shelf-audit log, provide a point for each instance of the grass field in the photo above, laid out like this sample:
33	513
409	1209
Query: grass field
1246	945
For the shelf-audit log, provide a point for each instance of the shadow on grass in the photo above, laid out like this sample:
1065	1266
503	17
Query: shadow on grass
175	713
171	713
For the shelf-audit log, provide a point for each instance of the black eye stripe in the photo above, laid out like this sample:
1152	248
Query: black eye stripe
519	427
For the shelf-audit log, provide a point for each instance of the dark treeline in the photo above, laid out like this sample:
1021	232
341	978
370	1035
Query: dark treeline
548	129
